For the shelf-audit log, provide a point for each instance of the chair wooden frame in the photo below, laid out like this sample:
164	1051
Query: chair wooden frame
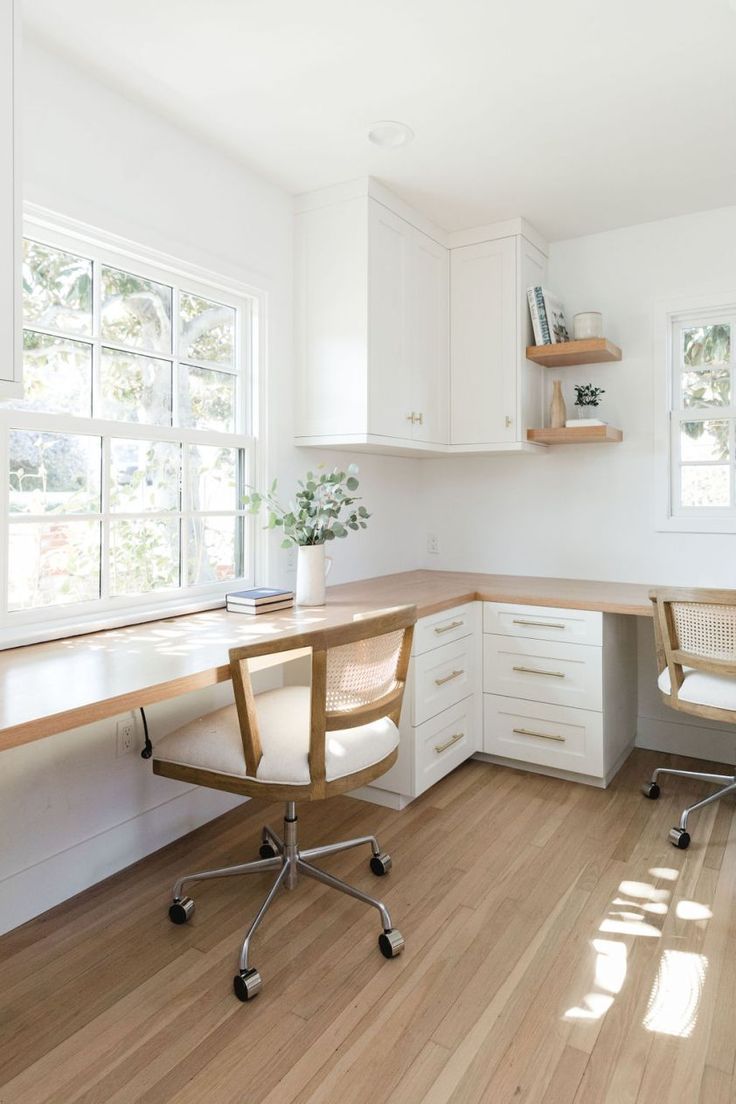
322	720
673	658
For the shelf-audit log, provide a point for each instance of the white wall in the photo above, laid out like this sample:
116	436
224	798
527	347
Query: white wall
70	813
589	511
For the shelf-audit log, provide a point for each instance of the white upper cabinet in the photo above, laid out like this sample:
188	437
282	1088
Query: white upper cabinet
378	293
496	392
484	341
372	329
10	214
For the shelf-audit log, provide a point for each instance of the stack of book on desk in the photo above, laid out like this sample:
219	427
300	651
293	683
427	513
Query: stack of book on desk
259	600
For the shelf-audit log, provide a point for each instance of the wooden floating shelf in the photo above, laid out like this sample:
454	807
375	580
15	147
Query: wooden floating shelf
596	350
576	435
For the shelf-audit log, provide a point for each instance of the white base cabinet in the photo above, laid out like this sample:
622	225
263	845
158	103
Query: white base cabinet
441	723
559	689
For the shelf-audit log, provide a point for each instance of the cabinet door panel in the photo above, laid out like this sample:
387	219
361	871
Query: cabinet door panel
389	349
429	289
484	343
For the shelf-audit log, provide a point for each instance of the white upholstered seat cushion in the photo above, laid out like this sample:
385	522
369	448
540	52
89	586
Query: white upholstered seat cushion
214	742
703	688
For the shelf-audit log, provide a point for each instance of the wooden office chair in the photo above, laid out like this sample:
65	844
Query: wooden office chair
301	744
695	633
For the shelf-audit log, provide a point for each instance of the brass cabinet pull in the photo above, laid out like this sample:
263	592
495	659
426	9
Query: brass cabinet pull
439	748
541	735
415	419
419	418
536	671
410	417
448	628
448	678
539	624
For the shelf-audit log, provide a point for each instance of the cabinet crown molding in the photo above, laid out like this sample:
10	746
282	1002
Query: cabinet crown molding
368	186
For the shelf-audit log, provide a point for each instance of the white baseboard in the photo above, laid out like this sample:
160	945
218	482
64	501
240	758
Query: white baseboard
716	743
32	891
377	796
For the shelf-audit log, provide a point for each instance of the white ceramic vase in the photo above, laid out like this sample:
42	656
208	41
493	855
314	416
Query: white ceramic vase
312	568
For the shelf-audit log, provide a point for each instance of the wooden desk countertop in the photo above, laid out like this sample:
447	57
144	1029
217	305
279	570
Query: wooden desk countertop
57	686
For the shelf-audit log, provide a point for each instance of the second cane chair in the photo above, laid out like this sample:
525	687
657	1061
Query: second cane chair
695	633
301	744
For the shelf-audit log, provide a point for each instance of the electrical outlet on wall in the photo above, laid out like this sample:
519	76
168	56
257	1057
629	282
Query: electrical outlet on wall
124	737
291	559
433	544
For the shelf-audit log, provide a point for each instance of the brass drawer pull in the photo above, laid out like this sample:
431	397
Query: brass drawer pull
448	678
539	624
536	671
448	628
439	748
541	735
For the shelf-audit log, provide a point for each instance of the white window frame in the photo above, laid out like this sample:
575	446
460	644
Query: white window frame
55	621
670	316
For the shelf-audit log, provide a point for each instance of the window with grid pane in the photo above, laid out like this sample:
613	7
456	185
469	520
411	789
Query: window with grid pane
126	457
703	415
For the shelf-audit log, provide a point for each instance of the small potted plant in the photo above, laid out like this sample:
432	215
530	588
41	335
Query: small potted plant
587	398
324	509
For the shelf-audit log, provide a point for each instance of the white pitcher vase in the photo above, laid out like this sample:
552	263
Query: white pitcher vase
312	568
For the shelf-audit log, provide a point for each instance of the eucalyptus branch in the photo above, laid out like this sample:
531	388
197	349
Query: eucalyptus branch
324	508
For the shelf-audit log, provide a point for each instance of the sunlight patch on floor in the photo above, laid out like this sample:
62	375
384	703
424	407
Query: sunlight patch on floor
675	997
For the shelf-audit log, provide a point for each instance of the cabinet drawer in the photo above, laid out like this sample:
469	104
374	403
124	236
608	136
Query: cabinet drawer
442	628
543	623
548	735
445	742
564	674
442	677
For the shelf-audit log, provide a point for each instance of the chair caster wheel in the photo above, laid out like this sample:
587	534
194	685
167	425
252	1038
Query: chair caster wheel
267	851
247	984
381	864
678	837
651	790
391	943
181	910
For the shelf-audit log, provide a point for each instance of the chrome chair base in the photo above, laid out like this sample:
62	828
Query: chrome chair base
285	856
679	836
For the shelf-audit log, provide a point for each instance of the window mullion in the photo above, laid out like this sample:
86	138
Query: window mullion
105	526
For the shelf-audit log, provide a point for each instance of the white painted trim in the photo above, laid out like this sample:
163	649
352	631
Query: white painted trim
37	888
368	186
666	313
678	737
26	626
507	229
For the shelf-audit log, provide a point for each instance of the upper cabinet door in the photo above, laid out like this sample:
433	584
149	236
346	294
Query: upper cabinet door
10	225
429	269
484	358
389	324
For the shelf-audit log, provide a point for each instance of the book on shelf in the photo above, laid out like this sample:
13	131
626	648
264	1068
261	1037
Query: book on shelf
583	423
535	296
548	317
257	611
555	318
258	596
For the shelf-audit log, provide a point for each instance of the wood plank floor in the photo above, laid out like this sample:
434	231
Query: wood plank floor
559	951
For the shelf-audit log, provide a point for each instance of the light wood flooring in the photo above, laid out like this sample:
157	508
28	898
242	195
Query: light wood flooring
558	950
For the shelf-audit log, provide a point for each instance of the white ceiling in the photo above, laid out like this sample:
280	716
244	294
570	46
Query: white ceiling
580	115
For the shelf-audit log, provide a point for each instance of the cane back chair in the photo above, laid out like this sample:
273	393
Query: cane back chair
695	633
301	743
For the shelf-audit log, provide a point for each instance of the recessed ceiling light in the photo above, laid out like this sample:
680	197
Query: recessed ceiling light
390	135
